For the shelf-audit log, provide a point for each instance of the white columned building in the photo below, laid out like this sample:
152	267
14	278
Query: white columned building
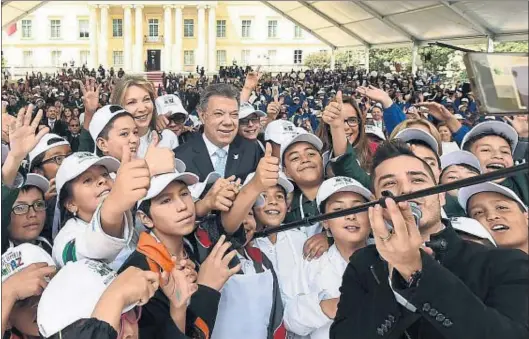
103	36
93	37
138	62
168	16
127	37
212	35
178	52
201	53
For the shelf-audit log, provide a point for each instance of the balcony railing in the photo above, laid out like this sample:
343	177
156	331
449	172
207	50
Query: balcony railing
152	39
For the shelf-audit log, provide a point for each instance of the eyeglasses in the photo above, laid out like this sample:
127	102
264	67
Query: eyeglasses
132	317
246	121
352	121
21	209
177	119
58	159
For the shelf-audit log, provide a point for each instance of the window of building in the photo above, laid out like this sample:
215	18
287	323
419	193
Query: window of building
27	27
55	29
221	28
246	28
27	58
272	28
189	28
221	58
56	58
298	56
117	58
189	58
298	32
117	28
84	29
245	56
83	57
272	56
153	27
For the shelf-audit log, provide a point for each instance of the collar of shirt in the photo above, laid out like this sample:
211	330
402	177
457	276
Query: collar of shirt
336	257
211	147
51	121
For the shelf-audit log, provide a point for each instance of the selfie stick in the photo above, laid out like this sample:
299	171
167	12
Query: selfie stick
309	221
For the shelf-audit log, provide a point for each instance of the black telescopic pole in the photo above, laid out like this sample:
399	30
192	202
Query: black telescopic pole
503	173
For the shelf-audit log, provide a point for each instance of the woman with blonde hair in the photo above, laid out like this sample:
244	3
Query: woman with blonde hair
136	95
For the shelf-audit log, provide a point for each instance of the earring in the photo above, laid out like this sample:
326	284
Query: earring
328	233
75	213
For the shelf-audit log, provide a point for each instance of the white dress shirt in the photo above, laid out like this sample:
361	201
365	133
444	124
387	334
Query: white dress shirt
213	148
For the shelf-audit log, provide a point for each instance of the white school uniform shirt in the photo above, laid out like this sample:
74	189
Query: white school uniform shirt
168	139
79	239
314	281
286	254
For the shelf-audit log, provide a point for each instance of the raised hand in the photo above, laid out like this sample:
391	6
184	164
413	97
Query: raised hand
267	172
90	95
176	285
30	281
160	160
52	191
437	110
332	115
252	78
375	94
162	121
132	182
273	109
222	194
215	270
134	285
22	138
519	123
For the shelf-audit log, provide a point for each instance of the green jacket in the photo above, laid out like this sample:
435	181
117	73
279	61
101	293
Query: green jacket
347	165
9	196
519	185
86	143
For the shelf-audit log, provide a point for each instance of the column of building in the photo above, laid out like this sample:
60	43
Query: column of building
166	59
127	38
92	62
103	36
212	25
178	52
201	51
139	57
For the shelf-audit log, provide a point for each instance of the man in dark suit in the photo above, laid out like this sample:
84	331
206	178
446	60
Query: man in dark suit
51	120
219	148
423	281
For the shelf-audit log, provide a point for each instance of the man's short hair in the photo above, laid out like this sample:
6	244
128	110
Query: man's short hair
222	90
391	149
424	144
473	139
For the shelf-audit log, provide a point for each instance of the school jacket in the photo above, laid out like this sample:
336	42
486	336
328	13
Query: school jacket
468	291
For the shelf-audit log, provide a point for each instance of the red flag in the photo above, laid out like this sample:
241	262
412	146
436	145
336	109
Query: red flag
11	29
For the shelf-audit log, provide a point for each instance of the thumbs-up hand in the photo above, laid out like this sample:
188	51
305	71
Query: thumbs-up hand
332	115
132	182
273	109
267	173
159	159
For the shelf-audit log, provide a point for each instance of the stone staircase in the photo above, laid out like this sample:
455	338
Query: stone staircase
156	77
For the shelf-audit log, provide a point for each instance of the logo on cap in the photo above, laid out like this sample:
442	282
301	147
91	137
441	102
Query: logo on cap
11	262
340	181
168	100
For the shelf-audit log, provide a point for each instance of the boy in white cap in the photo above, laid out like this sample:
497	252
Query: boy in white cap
250	122
313	290
86	299
499	210
493	143
95	210
458	165
277	132
26	270
172	116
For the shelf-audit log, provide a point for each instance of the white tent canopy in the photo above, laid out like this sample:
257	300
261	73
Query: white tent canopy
347	24
12	11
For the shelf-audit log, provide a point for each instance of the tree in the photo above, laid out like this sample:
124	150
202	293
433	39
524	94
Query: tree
511	46
318	60
382	59
4	61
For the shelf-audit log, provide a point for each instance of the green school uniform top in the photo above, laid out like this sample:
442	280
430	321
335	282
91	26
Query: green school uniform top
298	211
519	185
347	165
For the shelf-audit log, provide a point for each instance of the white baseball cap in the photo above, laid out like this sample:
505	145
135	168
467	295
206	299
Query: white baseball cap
19	257
247	109
495	127
408	134
170	103
279	130
282	181
33	179
196	121
340	184
161	181
73	294
369	115
77	163
466	193
472	227
458	158
47	142
102	117
376	131
301	136
458	116
464	100
198	188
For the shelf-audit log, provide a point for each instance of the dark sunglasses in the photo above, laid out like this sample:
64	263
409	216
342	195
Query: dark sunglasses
246	121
